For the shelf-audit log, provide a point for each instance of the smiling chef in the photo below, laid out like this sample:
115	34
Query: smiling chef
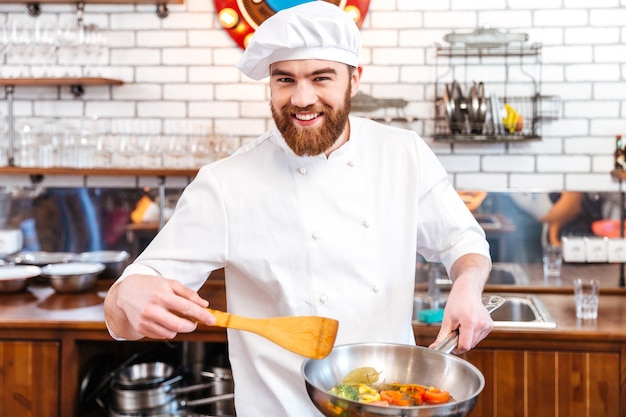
321	215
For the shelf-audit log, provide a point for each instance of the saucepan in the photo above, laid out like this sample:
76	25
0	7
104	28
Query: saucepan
165	398
154	388
144	375
397	363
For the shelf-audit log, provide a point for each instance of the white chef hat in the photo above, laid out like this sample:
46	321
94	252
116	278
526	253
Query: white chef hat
312	30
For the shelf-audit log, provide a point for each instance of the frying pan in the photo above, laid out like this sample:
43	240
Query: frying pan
398	363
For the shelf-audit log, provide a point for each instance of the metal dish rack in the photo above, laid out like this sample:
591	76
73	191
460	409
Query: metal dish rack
516	66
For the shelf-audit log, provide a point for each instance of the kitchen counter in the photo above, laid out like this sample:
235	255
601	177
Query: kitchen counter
40	307
610	325
607	274
70	328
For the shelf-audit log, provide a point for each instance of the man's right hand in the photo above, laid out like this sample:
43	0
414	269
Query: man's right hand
150	306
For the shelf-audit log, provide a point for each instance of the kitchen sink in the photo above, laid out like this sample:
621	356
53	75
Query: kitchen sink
502	273
524	311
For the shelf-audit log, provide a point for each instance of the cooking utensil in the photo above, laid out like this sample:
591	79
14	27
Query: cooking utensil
457	107
449	106
496	117
477	108
224	384
161	399
160	413
15	278
72	277
398	363
145	374
309	336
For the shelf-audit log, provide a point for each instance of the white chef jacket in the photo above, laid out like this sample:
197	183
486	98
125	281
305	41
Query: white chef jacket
334	237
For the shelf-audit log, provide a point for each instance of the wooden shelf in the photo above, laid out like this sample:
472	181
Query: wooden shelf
120	172
34	7
61	81
516	50
97	2
477	139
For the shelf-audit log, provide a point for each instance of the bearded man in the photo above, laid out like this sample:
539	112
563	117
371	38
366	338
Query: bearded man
322	215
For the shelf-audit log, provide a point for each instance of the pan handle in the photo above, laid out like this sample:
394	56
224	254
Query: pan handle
447	345
208	400
192	388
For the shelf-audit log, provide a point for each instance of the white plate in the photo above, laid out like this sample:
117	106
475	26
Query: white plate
19	272
72	268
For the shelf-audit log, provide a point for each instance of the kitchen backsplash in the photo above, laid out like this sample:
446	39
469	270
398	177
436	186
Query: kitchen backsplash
181	69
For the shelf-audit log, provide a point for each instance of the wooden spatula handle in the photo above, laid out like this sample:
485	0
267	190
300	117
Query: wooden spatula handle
222	318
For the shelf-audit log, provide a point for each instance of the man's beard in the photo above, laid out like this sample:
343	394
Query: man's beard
311	141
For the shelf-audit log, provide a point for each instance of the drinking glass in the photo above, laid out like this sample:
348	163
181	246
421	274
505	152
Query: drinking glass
552	262
586	296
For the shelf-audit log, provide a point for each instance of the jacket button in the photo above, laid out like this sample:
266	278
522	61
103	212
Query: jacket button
366	224
323	299
375	289
302	171
315	235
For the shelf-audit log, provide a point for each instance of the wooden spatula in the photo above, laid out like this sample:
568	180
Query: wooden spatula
309	336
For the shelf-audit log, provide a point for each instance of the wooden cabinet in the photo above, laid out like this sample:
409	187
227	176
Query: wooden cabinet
46	359
547	374
540	383
29	378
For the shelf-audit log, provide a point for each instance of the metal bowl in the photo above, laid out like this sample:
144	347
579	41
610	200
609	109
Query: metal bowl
114	261
72	277
398	363
145	374
15	278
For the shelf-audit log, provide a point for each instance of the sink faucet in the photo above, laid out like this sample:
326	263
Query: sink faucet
435	281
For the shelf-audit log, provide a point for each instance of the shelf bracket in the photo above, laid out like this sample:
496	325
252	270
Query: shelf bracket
622	281
77	90
10	89
34	9
36	179
161	202
80	13
162	10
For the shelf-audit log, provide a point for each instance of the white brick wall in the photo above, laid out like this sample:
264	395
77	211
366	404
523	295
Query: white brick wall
181	68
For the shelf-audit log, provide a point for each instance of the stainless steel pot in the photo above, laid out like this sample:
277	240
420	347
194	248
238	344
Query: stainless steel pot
164	398
156	413
223	384
125	398
144	374
399	363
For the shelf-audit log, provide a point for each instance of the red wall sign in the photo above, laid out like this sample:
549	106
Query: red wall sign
240	18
